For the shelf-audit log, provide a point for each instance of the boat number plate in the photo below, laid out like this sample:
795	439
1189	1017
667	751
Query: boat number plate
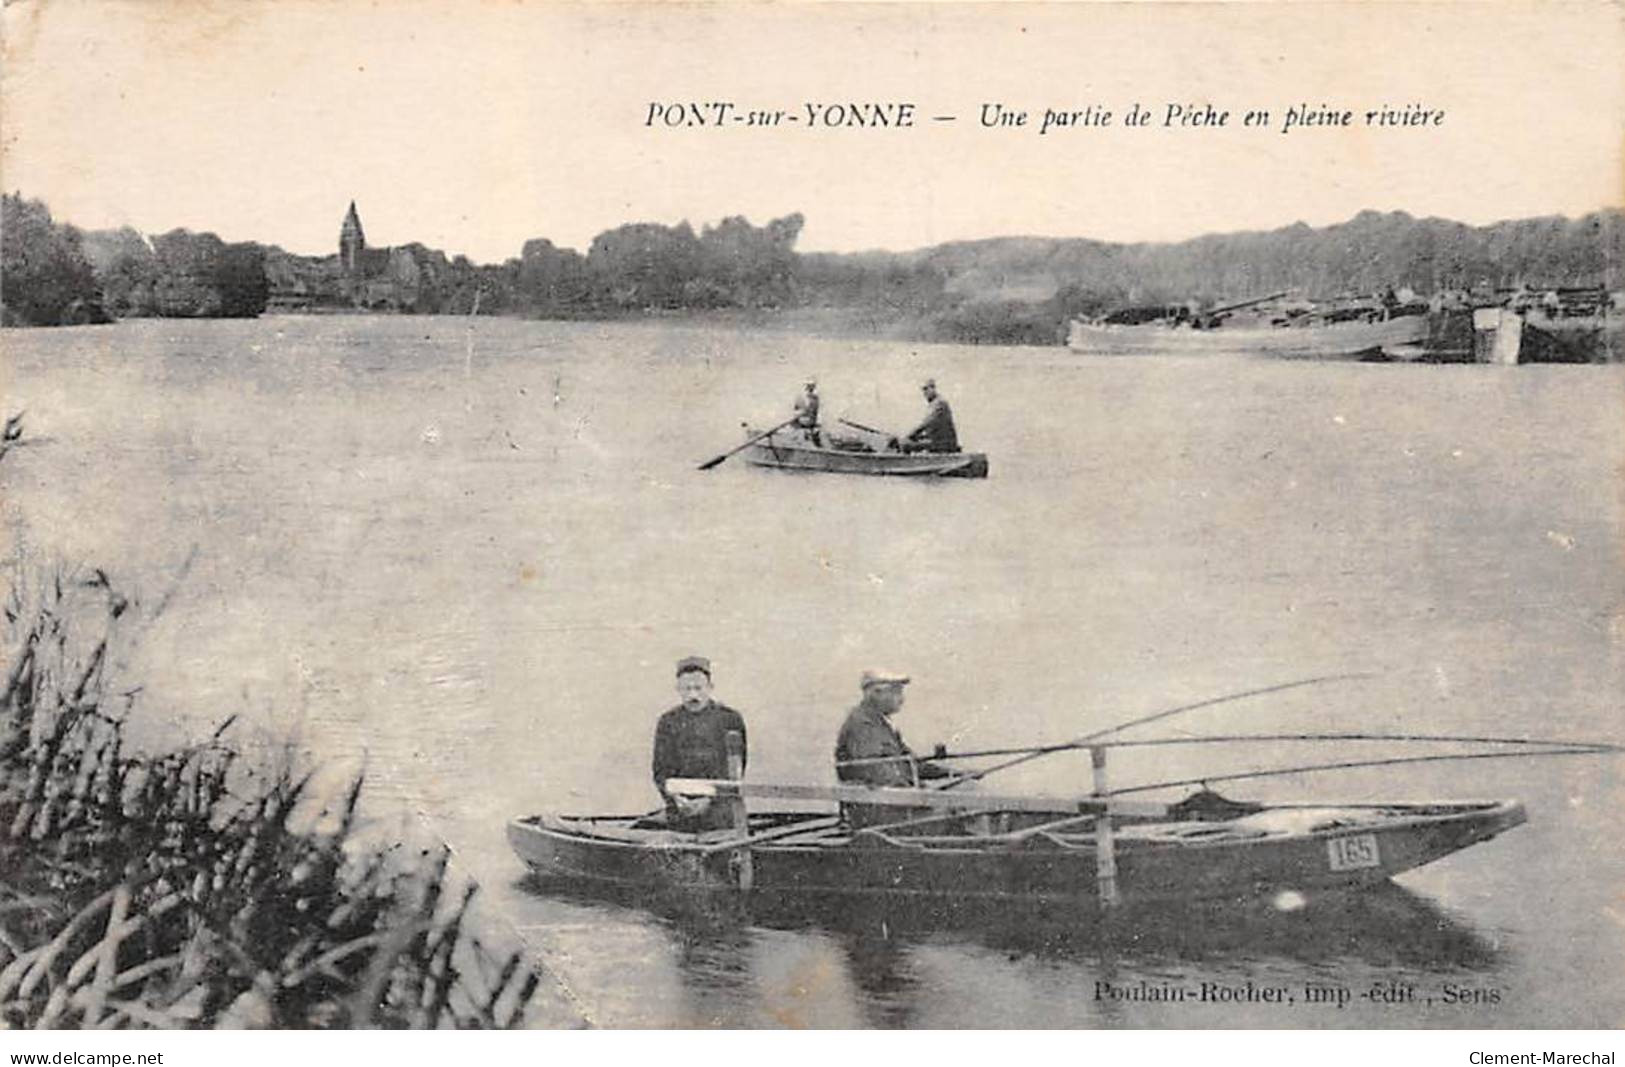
1353	853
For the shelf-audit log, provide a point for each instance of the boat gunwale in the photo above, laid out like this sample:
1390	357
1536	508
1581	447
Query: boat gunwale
920	464
948	844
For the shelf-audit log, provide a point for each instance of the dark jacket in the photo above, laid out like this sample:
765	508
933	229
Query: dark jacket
694	744
936	432
867	734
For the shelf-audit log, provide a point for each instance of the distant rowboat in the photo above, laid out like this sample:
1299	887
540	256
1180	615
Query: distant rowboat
792	451
1400	338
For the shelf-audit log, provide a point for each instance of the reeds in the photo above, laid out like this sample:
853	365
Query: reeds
185	889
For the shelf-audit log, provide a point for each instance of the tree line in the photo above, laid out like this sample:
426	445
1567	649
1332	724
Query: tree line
1000	290
55	274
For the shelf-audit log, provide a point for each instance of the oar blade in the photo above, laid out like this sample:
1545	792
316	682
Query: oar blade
740	448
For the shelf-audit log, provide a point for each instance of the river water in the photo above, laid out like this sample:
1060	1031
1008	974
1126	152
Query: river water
466	554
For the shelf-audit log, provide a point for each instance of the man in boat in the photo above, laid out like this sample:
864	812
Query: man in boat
691	741
807	412
870	751
936	432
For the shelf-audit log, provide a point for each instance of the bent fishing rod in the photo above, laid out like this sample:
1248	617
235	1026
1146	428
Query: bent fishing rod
1201	739
1599	748
1084	740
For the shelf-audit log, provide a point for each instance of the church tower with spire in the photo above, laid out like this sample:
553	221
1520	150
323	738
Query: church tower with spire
352	242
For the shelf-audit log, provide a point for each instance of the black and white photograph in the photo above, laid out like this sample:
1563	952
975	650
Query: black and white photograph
898	516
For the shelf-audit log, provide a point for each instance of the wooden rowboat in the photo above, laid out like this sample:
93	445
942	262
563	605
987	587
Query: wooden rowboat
792	451
970	846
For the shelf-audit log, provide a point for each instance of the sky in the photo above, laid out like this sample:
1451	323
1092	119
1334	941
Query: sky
473	126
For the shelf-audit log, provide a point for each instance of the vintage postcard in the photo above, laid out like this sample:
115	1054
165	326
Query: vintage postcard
905	515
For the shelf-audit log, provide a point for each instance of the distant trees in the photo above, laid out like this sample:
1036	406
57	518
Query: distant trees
552	280
900	283
45	279
743	266
1368	253
646	265
124	264
1001	290
632	268
179	274
201	276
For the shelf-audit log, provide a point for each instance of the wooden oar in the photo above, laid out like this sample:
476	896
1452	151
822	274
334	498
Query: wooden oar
1142	720
708	464
865	429
894	796
808	826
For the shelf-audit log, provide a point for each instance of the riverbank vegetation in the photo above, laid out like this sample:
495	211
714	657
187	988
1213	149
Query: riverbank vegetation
45	279
184	889
190	887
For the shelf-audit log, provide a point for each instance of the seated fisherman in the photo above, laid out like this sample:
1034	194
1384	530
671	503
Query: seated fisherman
870	751
691	741
936	432
807	412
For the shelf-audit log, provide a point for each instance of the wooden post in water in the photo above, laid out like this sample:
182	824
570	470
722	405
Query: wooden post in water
1105	848
741	860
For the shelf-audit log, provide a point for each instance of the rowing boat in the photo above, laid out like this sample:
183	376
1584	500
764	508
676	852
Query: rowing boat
969	846
1107	848
791	450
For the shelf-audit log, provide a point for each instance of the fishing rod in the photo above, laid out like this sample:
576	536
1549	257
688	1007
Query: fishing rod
1154	717
1348	764
1554	743
1068	746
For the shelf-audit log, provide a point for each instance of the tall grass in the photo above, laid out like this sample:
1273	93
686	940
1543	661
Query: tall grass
185	888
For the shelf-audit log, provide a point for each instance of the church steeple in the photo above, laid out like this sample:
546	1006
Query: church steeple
352	241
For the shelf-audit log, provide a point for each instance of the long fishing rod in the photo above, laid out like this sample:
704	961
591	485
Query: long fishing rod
1201	739
1346	765
1557	743
1154	717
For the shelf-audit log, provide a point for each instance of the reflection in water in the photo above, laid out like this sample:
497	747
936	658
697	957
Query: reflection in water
882	967
714	963
1384	927
720	952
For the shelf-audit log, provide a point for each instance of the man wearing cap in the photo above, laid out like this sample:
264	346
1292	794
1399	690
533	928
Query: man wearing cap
691	741
870	751
807	411
936	432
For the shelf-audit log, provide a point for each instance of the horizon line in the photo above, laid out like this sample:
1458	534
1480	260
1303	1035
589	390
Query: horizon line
868	251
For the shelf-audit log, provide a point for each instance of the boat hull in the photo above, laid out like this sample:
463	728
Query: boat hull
1308	849
788	452
1398	338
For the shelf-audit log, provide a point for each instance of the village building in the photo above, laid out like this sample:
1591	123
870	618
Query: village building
403	278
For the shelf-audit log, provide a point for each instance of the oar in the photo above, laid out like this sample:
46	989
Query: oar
708	464
1153	717
865	429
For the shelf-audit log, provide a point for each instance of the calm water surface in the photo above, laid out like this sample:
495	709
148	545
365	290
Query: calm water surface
467	554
